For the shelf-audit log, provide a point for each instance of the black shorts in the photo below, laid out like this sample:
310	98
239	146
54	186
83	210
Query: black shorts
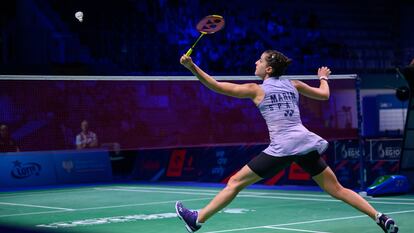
265	165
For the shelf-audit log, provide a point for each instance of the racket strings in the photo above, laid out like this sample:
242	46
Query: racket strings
208	25
211	24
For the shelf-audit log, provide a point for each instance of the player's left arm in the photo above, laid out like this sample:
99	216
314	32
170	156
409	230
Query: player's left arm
320	93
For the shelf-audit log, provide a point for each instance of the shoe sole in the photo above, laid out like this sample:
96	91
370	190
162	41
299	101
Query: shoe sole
394	228
179	216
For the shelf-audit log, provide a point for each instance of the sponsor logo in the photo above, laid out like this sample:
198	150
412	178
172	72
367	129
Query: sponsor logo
176	164
67	165
388	152
385	105
25	170
349	152
221	163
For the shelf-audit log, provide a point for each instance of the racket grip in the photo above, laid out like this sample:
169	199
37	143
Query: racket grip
189	52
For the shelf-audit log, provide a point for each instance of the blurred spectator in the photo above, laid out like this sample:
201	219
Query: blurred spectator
412	62
7	144
86	138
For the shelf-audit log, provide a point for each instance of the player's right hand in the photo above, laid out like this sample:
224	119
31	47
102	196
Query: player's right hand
324	71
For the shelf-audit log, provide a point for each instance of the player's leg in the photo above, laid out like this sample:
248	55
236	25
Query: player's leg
326	179
236	183
261	166
329	183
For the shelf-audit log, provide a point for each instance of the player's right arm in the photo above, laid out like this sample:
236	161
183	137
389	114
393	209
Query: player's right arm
248	90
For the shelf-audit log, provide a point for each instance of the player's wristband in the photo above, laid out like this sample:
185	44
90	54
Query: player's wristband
323	78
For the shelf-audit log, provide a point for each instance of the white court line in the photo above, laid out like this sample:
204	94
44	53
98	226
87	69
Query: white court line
304	222
391	199
120	206
139	204
36	206
45	193
95	188
101	207
216	191
33	213
166	189
247	195
212	194
259	193
325	200
155	191
183	189
293	229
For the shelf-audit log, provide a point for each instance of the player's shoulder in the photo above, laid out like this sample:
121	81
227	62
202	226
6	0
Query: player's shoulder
252	85
297	83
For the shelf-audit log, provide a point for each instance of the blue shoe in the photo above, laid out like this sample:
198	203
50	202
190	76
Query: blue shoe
387	224
189	217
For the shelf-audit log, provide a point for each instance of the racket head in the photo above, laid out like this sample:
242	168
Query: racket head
211	24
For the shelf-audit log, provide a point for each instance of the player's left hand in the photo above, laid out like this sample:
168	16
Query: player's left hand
186	61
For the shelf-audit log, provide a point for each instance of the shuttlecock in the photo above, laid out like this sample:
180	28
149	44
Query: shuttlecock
79	16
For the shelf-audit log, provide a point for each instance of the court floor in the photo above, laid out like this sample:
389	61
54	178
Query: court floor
145	208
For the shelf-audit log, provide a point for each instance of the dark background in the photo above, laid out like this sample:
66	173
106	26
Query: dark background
130	37
147	37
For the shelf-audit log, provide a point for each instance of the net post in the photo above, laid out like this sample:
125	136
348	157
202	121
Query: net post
361	142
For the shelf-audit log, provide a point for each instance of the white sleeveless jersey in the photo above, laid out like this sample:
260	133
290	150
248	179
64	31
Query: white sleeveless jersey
280	109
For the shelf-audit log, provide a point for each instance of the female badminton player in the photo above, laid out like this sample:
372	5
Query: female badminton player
277	100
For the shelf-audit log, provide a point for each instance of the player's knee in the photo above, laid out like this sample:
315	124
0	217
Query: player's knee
234	184
336	191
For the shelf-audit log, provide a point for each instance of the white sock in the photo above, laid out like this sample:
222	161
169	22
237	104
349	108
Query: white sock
199	223
377	217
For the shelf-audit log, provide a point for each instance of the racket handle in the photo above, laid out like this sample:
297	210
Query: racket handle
189	52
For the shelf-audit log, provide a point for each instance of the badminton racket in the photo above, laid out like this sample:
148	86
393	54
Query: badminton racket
208	25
